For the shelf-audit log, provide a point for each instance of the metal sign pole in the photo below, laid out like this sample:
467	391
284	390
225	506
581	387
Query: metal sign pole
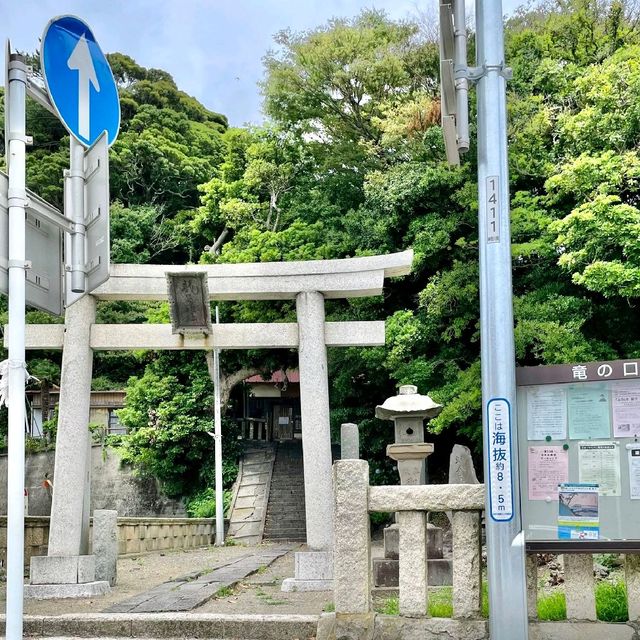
218	446
17	196
75	201
505	551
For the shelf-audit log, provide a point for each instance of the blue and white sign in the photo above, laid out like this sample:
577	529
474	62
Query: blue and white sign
499	453
79	80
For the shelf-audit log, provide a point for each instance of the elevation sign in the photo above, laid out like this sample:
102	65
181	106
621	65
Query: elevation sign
79	80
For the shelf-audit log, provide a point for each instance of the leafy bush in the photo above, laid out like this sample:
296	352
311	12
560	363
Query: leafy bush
203	503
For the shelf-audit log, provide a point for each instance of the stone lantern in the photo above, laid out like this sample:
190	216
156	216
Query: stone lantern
408	411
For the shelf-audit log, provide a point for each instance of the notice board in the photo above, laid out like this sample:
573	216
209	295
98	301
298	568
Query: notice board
579	454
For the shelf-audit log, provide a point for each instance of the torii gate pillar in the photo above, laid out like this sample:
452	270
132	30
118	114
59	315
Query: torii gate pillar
314	569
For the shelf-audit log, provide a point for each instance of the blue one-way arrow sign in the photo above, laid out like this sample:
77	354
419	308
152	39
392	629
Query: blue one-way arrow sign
79	80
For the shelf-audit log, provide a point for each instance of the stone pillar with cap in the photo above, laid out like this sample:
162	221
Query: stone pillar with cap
408	411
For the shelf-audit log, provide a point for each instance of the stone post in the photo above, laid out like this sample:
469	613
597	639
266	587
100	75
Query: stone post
67	571
314	570
532	585
349	441
467	568
632	578
579	587
412	581
72	440
352	591
105	544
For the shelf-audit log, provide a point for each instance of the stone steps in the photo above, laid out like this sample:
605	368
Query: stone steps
250	505
285	518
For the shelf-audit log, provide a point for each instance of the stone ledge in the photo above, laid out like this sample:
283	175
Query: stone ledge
432	497
581	631
173	625
52	591
400	628
293	584
62	570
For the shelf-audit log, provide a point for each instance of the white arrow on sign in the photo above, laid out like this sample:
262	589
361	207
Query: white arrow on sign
81	60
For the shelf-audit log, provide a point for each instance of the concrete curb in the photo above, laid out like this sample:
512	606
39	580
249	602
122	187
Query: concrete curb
171	625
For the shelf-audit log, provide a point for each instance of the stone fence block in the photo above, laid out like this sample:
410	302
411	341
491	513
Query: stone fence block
135	535
432	497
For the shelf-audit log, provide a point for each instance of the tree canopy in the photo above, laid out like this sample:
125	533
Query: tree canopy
351	162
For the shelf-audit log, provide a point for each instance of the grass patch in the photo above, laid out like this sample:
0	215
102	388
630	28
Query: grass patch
224	592
611	602
552	607
267	598
441	602
329	607
391	606
484	601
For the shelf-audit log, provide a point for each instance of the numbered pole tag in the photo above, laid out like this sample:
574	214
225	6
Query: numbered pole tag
493	209
499	452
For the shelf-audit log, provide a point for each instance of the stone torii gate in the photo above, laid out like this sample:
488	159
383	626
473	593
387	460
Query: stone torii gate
309	283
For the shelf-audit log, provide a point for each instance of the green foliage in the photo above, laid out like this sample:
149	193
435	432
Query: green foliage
168	412
203	503
390	607
440	604
611	602
351	164
610	560
552	606
335	79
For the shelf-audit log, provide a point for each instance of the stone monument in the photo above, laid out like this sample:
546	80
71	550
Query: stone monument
408	411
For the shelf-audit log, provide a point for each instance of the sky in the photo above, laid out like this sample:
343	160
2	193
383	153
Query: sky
213	49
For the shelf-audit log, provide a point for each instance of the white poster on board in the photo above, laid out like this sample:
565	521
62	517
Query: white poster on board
625	405
634	471
599	463
546	413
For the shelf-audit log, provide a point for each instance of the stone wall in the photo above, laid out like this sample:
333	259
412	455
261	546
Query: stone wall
113	486
135	535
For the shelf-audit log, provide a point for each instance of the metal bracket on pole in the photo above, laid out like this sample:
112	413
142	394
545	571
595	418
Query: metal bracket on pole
19	264
12	135
461	83
74	204
40	96
475	74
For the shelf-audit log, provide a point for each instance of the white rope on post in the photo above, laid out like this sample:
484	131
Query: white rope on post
5	365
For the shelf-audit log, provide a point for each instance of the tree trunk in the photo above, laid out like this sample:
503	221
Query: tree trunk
227	382
215	248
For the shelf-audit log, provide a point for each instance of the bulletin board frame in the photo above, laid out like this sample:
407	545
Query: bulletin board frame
578	397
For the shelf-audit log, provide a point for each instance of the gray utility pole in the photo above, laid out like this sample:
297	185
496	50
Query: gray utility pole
218	446
505	548
17	196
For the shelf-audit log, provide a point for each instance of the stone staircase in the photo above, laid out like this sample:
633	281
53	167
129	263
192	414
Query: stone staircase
248	511
285	510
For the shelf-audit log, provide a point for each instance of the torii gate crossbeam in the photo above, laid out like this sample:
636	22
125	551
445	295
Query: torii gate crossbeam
308	283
